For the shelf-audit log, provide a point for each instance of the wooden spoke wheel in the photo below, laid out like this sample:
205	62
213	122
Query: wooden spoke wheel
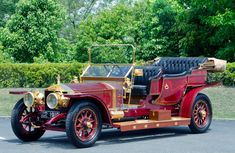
83	124
201	114
86	124
22	119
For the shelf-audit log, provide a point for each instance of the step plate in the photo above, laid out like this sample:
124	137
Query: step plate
151	124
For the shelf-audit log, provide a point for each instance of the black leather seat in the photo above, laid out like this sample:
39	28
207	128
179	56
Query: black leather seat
142	83
179	65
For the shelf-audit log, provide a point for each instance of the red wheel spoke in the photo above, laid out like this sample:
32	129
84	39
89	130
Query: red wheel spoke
83	133
86	124
80	120
90	116
92	121
79	125
92	128
86	114
79	132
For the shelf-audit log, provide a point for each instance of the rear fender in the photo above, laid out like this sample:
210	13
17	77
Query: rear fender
106	117
187	102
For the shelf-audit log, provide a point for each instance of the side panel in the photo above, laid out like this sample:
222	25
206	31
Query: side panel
172	90
197	78
110	93
156	86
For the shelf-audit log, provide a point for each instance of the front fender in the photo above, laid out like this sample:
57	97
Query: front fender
188	99
106	117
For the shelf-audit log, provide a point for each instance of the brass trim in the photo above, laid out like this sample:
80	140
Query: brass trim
55	87
61	100
116	114
132	83
132	67
85	70
38	99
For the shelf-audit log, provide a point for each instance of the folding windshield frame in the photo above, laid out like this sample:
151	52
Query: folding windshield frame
109	45
126	74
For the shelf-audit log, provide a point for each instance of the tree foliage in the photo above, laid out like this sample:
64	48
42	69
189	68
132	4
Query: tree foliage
164	28
43	30
7	8
207	28
33	31
79	10
147	25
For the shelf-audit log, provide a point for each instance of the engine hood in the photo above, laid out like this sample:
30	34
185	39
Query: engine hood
83	87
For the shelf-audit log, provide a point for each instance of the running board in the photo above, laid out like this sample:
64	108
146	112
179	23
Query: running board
150	124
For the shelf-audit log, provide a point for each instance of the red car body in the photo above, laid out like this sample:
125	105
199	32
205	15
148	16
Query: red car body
163	93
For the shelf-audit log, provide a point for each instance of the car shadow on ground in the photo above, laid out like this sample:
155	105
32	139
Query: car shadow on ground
108	137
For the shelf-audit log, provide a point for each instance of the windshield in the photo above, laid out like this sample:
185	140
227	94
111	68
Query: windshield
108	70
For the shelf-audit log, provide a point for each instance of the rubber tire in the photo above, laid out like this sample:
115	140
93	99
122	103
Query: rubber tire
70	121
17	126
193	127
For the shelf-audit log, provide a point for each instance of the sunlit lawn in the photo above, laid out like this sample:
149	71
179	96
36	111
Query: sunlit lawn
223	101
8	101
222	98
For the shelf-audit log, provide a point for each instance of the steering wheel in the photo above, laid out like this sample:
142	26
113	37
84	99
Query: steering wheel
106	68
118	67
120	70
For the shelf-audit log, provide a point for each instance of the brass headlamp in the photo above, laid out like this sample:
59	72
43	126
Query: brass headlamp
56	100
33	98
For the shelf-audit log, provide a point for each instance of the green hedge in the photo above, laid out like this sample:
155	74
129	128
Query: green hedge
37	75
43	75
227	77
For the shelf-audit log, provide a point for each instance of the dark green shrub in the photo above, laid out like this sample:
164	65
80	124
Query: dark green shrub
227	77
37	75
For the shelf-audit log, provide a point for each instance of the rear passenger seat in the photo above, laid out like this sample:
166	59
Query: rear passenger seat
178	66
166	66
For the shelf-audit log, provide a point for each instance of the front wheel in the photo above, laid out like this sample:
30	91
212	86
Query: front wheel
83	124
201	114
22	119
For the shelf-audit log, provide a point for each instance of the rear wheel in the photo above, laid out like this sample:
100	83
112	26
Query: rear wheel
201	114
83	124
22	119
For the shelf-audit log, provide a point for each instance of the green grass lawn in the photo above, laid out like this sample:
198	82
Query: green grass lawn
8	101
223	101
222	98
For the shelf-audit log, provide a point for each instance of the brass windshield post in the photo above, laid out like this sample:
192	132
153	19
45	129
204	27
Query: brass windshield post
89	55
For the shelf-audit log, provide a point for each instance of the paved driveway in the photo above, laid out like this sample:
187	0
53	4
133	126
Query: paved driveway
219	139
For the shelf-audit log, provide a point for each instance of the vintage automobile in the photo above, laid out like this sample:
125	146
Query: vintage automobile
162	93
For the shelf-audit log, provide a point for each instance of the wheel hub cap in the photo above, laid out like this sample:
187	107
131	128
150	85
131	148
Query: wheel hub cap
202	113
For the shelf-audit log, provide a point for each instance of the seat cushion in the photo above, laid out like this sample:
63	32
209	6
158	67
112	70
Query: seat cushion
142	83
176	65
149	73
